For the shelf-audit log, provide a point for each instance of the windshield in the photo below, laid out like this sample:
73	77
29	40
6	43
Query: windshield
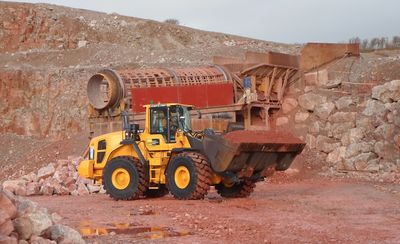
185	123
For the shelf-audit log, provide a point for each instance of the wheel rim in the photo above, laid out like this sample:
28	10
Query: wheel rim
120	178
182	177
228	184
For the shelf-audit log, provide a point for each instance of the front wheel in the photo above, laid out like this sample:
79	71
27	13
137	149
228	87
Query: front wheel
236	190
189	176
124	178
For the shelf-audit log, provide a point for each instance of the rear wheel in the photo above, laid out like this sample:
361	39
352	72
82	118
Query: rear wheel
189	176
124	178
236	190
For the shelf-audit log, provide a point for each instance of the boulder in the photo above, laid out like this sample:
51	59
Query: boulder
8	239
388	92
373	166
40	221
394	117
329	147
93	188
32	188
341	117
366	123
336	156
301	117
355	149
316	127
387	150
323	110
353	135
4	217
17	187
82	190
386	166
56	218
7	206
40	240
326	144
331	84
6	228
337	130
311	141
47	189
282	121
308	101
360	162
69	181
25	206
289	104
343	102
385	131
61	174
31	177
61	233
23	227
46	171
374	108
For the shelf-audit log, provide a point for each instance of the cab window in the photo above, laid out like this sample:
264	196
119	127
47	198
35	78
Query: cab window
158	121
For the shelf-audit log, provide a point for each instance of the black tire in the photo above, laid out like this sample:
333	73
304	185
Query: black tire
137	183
200	176
153	193
242	189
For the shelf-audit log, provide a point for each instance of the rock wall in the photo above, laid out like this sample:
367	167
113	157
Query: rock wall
354	132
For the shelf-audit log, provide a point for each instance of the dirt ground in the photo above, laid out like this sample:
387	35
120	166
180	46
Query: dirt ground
23	154
288	211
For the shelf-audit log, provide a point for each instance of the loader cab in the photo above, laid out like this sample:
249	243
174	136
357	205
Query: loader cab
168	119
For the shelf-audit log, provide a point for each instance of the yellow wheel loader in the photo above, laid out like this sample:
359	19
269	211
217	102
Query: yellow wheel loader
167	156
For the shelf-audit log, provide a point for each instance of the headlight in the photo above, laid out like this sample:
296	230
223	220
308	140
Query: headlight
91	153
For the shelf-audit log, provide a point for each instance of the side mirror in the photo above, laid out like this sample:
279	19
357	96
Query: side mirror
199	114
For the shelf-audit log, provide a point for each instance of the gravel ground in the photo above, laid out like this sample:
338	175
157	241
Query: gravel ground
309	210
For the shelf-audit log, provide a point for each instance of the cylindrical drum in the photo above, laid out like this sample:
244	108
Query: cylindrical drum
108	87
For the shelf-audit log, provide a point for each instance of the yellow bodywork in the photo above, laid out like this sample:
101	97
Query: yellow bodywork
158	156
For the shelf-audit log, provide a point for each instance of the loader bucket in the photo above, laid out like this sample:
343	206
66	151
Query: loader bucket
257	150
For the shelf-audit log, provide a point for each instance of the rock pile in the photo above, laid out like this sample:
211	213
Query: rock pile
60	178
23	221
356	134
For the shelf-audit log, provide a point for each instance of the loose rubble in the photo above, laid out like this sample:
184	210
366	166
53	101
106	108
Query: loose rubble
23	221
59	178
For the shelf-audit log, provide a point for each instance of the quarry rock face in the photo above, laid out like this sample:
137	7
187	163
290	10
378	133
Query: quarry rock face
48	54
33	104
